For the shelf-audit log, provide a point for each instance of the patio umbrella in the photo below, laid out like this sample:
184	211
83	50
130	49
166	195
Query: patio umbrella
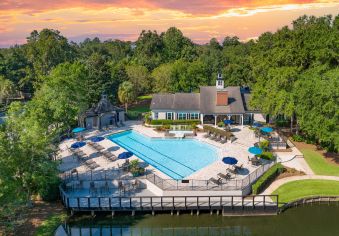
230	160
78	130
78	145
255	150
228	122
97	139
267	129
125	155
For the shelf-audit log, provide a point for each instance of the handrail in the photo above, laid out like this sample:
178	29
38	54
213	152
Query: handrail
307	200
166	202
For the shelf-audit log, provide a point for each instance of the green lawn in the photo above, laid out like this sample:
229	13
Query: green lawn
48	226
306	188
318	163
140	109
144	97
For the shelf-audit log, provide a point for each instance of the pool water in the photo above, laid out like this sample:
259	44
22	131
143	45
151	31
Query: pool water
177	158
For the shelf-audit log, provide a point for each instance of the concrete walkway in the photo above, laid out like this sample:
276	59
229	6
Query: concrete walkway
276	184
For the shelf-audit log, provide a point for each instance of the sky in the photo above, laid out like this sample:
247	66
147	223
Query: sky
199	20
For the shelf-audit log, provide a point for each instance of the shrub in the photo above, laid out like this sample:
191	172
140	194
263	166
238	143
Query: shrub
297	138
175	122
135	169
267	178
267	156
227	134
221	124
264	145
133	115
51	191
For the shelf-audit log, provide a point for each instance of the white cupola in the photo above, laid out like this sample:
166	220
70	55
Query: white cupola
219	82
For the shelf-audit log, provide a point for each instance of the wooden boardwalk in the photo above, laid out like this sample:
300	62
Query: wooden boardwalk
229	205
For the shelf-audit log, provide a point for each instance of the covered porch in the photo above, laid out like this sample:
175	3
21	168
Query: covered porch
239	119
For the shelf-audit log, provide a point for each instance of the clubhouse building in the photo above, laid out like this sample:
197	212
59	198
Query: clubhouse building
212	105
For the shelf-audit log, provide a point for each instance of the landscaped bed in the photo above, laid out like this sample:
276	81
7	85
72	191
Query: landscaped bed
306	188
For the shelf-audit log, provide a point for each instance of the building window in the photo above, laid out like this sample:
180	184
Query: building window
181	116
169	116
220	82
194	116
156	115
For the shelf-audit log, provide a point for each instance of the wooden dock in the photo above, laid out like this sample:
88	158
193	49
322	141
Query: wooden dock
227	205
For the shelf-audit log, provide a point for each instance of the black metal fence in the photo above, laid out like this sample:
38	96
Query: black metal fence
171	184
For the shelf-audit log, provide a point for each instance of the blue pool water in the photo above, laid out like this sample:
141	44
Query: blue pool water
176	158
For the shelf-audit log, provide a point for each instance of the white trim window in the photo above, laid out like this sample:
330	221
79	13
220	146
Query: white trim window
169	115
194	116
182	116
156	115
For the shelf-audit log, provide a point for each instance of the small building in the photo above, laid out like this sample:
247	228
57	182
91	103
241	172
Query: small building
212	105
102	114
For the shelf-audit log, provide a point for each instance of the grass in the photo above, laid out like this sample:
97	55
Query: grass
144	97
318	163
306	188
140	109
48	226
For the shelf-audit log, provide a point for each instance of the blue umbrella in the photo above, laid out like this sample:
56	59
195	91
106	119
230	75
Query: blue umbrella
267	129
97	139
78	145
255	150
257	125
125	155
230	160
228	122
78	130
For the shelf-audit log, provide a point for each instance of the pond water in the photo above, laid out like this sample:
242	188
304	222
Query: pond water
317	220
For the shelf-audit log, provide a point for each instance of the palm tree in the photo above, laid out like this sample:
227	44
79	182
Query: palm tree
126	93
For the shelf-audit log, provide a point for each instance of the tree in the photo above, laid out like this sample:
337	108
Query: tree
140	78
174	44
149	49
46	49
7	89
162	77
230	41
126	93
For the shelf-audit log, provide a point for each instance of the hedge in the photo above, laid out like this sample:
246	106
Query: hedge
174	122
267	155
218	131
267	178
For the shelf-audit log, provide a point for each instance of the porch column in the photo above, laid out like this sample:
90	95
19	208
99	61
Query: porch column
215	120
242	120
202	119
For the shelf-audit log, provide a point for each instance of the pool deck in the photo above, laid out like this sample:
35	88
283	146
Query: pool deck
238	149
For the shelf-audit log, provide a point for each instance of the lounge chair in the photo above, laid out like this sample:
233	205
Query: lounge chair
223	139
226	177
208	134
213	136
218	138
231	170
215	181
233	138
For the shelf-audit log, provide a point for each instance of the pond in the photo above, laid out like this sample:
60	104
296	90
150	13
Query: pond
308	220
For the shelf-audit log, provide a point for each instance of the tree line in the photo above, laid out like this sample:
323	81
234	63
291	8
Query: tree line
292	72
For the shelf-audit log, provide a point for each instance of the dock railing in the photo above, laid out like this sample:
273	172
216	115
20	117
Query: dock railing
128	203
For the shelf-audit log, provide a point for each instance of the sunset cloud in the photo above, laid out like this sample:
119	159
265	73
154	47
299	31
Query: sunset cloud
198	19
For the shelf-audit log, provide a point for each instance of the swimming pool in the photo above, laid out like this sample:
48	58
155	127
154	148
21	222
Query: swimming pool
177	158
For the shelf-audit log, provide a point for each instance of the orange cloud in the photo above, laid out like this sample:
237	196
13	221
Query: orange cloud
124	19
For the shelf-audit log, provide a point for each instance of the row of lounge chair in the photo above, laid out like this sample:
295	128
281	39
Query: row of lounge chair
230	174
82	158
216	137
105	153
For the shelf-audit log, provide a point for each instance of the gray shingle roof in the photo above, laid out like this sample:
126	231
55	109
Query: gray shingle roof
205	101
177	101
208	101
